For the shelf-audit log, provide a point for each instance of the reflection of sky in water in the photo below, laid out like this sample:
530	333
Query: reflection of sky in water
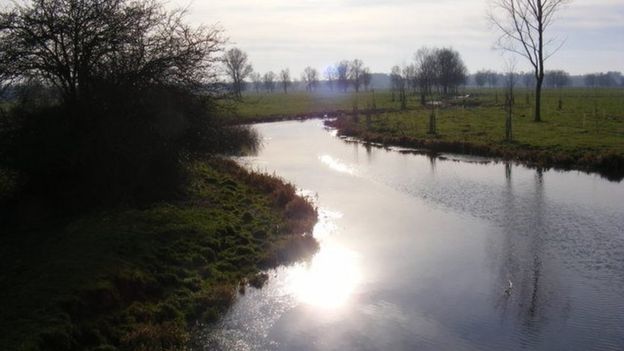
416	253
336	165
330	278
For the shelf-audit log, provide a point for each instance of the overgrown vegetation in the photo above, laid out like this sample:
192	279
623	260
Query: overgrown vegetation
138	279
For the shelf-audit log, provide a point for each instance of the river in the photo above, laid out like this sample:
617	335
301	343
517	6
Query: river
425	253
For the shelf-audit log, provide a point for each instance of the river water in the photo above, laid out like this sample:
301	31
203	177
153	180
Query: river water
422	253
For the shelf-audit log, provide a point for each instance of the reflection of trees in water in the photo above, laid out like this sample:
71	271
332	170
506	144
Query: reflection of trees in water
433	159
523	262
369	152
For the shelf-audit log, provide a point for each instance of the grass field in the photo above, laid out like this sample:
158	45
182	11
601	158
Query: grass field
137	278
590	124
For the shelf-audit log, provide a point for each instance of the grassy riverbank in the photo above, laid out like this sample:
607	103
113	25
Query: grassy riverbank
587	133
139	278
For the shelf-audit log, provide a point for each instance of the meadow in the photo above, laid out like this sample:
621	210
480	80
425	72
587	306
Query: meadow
589	126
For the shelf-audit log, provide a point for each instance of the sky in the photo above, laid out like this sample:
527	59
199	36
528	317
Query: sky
294	34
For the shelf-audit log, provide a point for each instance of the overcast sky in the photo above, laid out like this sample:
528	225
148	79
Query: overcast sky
297	33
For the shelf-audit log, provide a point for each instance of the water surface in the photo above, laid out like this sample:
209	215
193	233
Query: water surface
418	253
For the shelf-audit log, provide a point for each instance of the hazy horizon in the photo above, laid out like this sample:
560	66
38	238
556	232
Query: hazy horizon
281	34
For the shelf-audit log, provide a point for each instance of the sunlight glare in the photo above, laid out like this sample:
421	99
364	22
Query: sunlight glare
336	165
330	279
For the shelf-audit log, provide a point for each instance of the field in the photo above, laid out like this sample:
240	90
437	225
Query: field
589	125
139	278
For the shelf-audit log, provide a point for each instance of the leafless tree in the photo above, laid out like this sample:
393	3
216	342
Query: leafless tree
256	79
481	78
330	76
342	74
72	45
452	71
269	81
426	72
511	79
367	78
492	78
523	25
356	69
238	68
400	83
285	80
310	77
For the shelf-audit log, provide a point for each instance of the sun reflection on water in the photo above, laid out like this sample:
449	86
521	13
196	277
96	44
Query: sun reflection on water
330	279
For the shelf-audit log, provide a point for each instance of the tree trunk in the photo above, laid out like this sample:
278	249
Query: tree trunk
538	99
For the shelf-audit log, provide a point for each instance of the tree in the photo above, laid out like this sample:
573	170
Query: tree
452	71
125	116
557	79
523	25
256	79
310	77
330	76
285	80
481	78
492	78
237	68
400	82
356	69
269	81
366	78
118	40
511	79
426	72
342	75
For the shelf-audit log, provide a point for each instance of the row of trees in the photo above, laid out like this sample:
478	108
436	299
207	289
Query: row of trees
434	70
341	76
607	80
552	79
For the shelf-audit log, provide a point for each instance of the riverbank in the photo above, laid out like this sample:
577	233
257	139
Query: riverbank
140	278
586	134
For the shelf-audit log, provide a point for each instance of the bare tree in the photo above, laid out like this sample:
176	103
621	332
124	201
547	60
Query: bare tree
523	24
330	76
256	79
400	82
356	69
426	72
285	80
367	77
269	81
492	78
74	45
558	79
452	71
342	74
310	77
511	79
481	78
237	68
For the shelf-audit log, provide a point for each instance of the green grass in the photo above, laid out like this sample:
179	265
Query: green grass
263	106
575	127
590	125
136	279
